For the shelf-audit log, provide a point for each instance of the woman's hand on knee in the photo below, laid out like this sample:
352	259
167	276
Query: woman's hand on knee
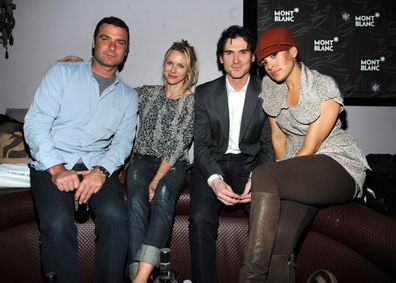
152	188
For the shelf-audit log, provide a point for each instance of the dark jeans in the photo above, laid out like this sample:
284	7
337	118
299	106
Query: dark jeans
59	233
151	224
302	184
205	209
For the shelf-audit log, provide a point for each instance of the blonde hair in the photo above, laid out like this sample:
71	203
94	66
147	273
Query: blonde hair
192	62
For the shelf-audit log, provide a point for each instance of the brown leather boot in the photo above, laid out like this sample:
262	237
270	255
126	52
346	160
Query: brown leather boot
263	225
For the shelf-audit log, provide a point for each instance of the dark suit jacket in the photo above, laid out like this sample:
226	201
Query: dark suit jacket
211	127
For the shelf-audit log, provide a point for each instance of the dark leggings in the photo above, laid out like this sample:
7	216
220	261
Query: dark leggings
303	184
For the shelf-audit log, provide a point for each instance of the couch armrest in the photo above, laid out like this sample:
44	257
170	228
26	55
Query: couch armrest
16	207
363	230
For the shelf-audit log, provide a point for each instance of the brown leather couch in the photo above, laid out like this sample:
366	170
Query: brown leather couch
354	242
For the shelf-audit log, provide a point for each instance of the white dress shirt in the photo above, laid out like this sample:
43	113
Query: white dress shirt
236	101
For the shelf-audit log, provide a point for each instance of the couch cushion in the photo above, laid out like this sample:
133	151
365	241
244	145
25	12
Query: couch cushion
319	251
361	229
232	238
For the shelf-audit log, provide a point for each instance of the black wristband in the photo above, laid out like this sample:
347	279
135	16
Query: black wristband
103	170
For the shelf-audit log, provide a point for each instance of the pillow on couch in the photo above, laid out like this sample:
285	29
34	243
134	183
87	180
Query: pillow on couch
12	144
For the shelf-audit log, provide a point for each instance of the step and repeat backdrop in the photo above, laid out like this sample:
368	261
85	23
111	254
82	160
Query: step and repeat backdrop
352	41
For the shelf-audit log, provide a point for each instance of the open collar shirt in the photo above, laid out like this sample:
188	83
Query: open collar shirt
69	120
236	101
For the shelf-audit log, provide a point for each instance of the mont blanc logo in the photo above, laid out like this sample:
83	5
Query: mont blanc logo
366	20
371	65
345	16
285	15
325	45
375	87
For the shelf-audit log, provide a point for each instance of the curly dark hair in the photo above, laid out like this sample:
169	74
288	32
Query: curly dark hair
231	33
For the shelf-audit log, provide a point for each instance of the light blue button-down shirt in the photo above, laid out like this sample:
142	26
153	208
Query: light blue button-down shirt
69	119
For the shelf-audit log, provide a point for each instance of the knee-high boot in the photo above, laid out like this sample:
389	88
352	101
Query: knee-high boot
263	225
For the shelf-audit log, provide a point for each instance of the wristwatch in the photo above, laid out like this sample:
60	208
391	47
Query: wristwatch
103	170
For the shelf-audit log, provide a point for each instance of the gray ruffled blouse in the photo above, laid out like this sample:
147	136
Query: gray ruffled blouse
295	121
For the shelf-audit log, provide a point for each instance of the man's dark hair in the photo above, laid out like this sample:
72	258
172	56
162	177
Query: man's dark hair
112	21
231	33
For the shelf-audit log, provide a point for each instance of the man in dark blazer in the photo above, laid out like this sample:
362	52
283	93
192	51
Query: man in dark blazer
231	137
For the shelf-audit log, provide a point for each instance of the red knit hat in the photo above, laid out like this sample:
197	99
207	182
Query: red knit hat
274	40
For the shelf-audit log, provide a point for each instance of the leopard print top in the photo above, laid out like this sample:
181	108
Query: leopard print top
165	126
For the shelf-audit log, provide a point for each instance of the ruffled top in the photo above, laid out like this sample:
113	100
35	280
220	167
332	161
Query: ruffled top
295	121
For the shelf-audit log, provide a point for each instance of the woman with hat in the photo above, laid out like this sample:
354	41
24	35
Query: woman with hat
317	162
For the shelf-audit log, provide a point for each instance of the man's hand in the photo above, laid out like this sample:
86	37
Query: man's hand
65	180
246	196
224	192
91	184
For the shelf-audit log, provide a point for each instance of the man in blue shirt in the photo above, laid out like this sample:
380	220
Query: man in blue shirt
83	120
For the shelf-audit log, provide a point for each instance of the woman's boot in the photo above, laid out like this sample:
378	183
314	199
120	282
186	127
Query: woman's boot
263	225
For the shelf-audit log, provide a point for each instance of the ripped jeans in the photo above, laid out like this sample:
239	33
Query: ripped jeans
150	225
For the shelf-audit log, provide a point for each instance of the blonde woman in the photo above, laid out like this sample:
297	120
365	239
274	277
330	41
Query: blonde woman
156	173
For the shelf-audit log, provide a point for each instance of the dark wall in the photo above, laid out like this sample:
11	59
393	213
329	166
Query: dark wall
352	41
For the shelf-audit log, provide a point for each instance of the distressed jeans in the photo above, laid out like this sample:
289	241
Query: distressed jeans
150	225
